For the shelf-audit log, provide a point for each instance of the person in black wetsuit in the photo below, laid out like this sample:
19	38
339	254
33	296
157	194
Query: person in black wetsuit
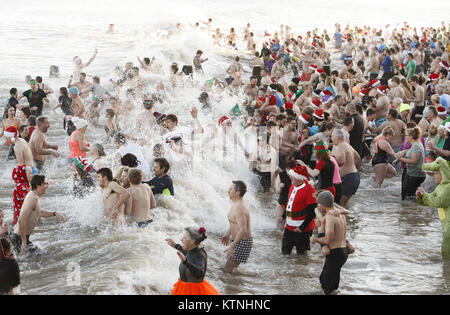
161	183
193	265
357	133
9	268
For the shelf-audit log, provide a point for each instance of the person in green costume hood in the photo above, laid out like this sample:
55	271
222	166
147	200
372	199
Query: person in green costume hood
439	198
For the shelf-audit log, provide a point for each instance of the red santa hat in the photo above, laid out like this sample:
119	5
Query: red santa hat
313	67
441	110
320	70
299	172
318	113
288	105
314	45
288	50
316	103
326	92
374	83
273	79
364	92
299	37
304	118
382	90
266	44
444	64
271	116
11	132
223	120
273	57
433	76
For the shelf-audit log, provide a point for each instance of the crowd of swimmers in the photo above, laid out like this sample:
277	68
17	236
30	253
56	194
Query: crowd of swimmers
321	105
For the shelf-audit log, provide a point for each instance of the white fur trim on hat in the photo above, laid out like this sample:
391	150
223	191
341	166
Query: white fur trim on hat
295	175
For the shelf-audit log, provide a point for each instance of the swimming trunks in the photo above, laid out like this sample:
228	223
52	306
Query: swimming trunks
142	225
350	184
242	250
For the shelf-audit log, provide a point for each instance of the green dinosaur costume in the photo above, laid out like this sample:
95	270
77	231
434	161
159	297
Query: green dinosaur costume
440	198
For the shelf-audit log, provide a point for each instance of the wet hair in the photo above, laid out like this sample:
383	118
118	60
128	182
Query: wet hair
195	234
393	113
163	163
348	120
326	126
63	91
32	120
41	120
39	79
129	160
120	138
388	131
13	91
135	176
414	133
37	180
240	186
172	118
105	172
100	150
110	113
147	60
5	247
339	133
370	111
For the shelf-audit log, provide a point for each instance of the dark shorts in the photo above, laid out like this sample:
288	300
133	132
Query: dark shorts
350	184
39	165
299	240
331	272
142	225
338	188
320	235
410	185
16	242
242	250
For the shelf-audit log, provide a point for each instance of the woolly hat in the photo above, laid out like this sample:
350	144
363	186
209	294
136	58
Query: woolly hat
82	163
223	120
159	117
382	90
74	90
11	132
79	122
404	107
325	198
304	118
320	147
148	103
318	113
299	172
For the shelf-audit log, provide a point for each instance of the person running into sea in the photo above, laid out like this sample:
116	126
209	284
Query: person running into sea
161	183
240	228
299	213
193	265
113	196
30	214
141	199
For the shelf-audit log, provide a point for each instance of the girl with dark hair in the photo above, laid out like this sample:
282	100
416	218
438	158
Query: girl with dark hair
193	264
9	269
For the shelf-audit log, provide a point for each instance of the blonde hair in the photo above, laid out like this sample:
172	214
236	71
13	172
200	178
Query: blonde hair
388	131
433	130
120	172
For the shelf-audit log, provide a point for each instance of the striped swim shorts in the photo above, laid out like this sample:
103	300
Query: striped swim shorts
242	250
